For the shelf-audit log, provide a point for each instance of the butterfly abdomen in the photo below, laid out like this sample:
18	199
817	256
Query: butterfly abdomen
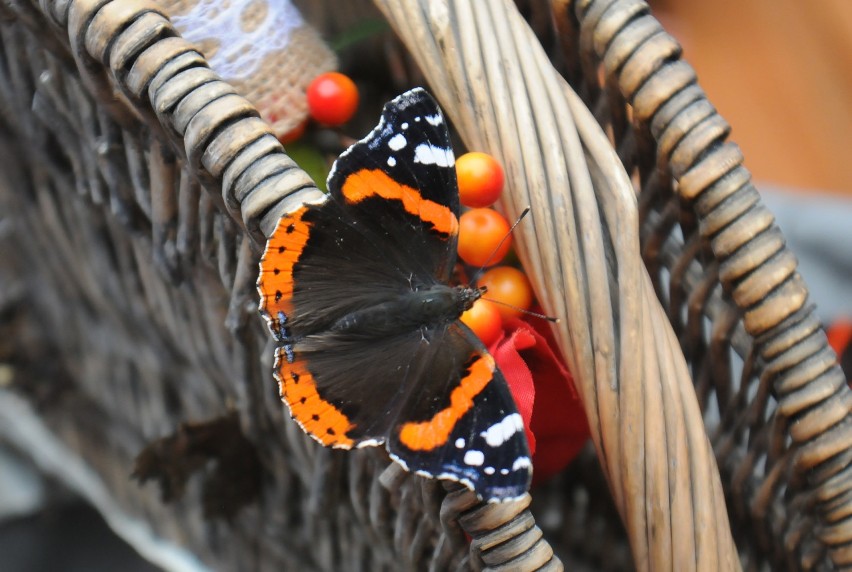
427	307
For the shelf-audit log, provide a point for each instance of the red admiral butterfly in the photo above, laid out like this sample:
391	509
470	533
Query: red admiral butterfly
355	290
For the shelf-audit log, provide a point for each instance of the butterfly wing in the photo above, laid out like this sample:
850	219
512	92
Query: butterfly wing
459	421
318	266
390	222
343	391
407	163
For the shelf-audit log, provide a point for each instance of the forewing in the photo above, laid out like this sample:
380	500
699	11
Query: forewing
318	266
399	184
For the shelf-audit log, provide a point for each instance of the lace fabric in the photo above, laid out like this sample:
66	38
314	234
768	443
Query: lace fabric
262	47
244	32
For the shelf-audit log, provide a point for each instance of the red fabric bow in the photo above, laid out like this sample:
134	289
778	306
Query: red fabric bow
544	392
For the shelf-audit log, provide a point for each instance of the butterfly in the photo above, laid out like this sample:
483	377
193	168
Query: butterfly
355	290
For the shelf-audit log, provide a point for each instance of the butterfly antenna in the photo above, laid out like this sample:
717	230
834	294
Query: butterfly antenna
550	319
497	249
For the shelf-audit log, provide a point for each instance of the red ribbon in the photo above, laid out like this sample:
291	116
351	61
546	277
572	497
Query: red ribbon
544	392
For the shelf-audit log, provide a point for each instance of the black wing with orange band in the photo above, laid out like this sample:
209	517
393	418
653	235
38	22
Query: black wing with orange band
459	421
408	161
390	223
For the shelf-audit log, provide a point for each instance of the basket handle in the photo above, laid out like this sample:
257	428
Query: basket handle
582	254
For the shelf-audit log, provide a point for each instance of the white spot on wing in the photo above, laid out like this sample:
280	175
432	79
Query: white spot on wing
489	470
369	443
521	463
397	142
460	443
434	119
391	162
504	471
404	125
427	154
474	458
502	431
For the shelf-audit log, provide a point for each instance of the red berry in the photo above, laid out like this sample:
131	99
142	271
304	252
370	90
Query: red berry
332	98
294	134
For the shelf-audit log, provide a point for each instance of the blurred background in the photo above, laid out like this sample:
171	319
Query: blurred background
780	72
46	528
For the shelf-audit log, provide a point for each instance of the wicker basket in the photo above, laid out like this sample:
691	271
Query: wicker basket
137	190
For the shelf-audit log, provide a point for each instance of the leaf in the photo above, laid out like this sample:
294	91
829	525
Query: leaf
364	30
311	161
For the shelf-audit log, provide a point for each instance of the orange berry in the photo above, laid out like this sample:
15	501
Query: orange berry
480	231
480	179
508	285
485	321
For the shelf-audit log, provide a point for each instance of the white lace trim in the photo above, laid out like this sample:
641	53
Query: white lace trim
239	52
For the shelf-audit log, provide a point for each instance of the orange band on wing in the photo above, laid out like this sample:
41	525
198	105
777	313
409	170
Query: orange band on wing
427	435
319	418
276	267
369	183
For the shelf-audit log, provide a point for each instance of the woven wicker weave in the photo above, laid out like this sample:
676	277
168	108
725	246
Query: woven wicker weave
137	189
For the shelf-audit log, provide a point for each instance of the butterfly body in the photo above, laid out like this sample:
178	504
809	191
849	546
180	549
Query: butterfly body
371	349
429	308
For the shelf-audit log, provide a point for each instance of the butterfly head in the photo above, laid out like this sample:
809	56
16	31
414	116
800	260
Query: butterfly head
466	296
